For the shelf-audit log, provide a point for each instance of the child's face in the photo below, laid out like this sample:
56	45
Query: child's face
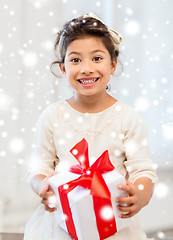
88	66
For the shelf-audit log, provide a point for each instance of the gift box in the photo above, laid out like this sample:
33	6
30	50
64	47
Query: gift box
86	196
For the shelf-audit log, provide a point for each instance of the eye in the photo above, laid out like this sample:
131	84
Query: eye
75	60
97	59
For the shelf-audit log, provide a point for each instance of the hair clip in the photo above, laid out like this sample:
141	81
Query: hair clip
115	35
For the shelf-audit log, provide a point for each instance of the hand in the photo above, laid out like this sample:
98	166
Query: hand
132	204
47	195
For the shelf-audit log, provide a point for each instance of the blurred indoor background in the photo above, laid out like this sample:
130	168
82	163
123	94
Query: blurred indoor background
27	33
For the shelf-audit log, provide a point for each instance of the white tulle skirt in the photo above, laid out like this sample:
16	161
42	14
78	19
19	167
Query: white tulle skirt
44	226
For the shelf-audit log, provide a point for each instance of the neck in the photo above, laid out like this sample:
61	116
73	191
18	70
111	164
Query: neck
91	104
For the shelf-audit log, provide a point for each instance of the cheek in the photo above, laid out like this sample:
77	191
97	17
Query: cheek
70	76
106	71
71	70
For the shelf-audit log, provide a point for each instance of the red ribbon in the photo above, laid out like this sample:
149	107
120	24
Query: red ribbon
91	178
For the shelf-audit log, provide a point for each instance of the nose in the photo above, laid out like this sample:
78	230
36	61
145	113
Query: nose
87	67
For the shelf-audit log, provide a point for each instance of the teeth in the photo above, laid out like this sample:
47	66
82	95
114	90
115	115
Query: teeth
88	81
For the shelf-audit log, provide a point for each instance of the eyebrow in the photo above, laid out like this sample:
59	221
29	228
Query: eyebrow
78	53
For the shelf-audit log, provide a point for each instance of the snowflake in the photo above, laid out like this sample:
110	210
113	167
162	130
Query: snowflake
119	5
64	217
69	135
39	24
113	134
88	172
11	13
155	166
37	5
20	161
51	14
164	80
129	11
1	122
75	151
129	168
107	213
1	47
161	235
47	45
144	142
14	117
142	104
2	153
17	145
61	141
52	201
167	22
66	115
66	186
131	147
117	153
30	95
147	52
169	110
5	6
161	190
121	136
82	158
132	28
30	59
125	92
23	130
4	101
167	131
144	92
80	119
141	187
9	35
98	4
74	11
155	102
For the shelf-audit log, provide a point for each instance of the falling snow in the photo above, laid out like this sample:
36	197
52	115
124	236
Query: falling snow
132	27
107	213
75	151
161	190
30	59
52	200
142	104
27	85
66	186
141	187
17	145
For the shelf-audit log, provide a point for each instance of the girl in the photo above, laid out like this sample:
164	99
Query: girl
87	56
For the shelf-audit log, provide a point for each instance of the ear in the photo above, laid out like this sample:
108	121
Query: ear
62	68
113	65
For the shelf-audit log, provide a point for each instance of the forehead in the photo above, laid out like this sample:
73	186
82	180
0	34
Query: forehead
86	44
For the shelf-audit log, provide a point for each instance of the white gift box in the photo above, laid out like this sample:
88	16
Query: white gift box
81	204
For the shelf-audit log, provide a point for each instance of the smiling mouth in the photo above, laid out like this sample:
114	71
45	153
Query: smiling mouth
88	80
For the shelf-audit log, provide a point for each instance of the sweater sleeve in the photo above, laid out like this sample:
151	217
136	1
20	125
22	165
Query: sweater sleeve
138	162
44	156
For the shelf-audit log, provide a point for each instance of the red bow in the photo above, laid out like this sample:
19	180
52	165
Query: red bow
91	178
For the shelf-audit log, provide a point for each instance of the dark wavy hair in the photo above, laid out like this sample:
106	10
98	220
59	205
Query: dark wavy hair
78	28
